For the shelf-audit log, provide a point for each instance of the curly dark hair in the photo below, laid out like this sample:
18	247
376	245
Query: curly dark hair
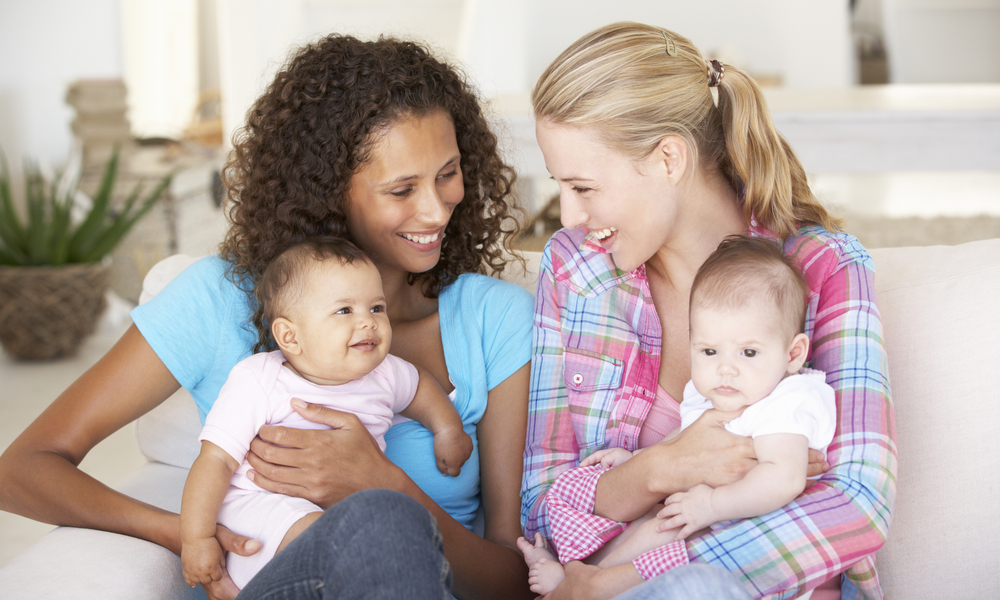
292	163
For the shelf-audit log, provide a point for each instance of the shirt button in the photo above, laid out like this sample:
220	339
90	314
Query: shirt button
578	378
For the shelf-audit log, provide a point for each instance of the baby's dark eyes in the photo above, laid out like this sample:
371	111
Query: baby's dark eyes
749	353
378	309
709	351
344	311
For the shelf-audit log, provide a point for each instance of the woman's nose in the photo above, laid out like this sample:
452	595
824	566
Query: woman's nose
570	211
432	208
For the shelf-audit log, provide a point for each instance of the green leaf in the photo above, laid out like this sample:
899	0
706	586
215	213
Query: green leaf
124	222
38	226
86	236
8	258
61	217
11	231
49	237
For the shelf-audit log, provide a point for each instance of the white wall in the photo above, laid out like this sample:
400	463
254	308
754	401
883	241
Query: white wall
943	41
807	42
45	44
257	36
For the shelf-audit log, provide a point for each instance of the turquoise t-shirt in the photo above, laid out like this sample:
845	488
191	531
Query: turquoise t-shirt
199	327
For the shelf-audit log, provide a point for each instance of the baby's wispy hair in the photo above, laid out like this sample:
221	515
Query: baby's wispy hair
282	283
743	270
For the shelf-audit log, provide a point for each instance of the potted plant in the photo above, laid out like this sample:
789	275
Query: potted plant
53	265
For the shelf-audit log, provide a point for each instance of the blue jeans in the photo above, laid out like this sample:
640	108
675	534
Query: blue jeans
691	582
375	544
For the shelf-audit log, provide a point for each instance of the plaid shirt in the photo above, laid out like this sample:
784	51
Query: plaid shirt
594	375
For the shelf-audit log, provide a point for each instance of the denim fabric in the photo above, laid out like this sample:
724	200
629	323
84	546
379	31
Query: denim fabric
375	544
690	582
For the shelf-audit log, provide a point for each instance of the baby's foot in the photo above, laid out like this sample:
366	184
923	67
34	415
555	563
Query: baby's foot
545	575
534	553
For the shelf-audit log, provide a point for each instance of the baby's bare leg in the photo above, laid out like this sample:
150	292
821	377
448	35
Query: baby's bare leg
640	537
297	528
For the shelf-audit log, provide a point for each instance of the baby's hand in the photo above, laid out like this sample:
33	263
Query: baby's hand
452	447
692	509
611	457
204	561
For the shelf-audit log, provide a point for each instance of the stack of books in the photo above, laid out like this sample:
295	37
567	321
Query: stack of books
100	122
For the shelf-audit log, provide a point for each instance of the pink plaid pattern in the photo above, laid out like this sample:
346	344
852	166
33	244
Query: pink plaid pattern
594	370
576	531
660	560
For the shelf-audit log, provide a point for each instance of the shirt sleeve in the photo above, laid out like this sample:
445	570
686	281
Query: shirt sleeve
506	334
552	446
182	321
839	522
403	378
242	408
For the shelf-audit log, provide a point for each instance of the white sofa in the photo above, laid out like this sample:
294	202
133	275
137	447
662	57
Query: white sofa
941	317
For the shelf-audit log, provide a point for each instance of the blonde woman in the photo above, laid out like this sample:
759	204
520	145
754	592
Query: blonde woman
660	154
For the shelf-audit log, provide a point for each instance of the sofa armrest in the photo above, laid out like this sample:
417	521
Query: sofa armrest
70	562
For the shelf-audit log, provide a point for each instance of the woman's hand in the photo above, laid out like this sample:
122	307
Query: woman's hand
705	453
323	466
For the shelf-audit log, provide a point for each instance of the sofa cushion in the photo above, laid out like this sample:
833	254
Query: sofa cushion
83	563
941	322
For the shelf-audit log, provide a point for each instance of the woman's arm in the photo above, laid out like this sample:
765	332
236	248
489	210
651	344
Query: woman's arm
39	470
330	465
499	566
704	453
551	446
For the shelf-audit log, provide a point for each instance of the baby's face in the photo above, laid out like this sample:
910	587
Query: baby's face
341	322
738	356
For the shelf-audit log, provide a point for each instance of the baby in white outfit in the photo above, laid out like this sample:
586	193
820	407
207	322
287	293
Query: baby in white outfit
747	316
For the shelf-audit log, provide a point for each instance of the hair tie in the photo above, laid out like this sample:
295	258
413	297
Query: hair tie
716	71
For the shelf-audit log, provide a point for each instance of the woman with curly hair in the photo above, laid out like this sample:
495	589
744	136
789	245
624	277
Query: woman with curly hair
382	144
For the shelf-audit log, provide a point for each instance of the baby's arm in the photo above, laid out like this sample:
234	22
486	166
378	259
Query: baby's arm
778	478
608	458
433	409
205	489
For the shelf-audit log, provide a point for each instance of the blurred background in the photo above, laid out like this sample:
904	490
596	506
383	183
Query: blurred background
892	105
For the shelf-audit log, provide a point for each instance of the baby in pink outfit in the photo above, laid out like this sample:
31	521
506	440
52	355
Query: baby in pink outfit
324	305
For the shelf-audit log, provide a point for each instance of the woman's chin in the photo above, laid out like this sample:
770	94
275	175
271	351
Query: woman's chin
624	262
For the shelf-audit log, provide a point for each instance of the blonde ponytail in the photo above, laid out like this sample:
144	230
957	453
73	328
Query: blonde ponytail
635	84
775	189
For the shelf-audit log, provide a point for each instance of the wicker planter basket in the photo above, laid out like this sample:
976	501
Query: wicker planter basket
46	312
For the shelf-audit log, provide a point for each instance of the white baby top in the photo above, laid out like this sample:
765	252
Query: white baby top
801	403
